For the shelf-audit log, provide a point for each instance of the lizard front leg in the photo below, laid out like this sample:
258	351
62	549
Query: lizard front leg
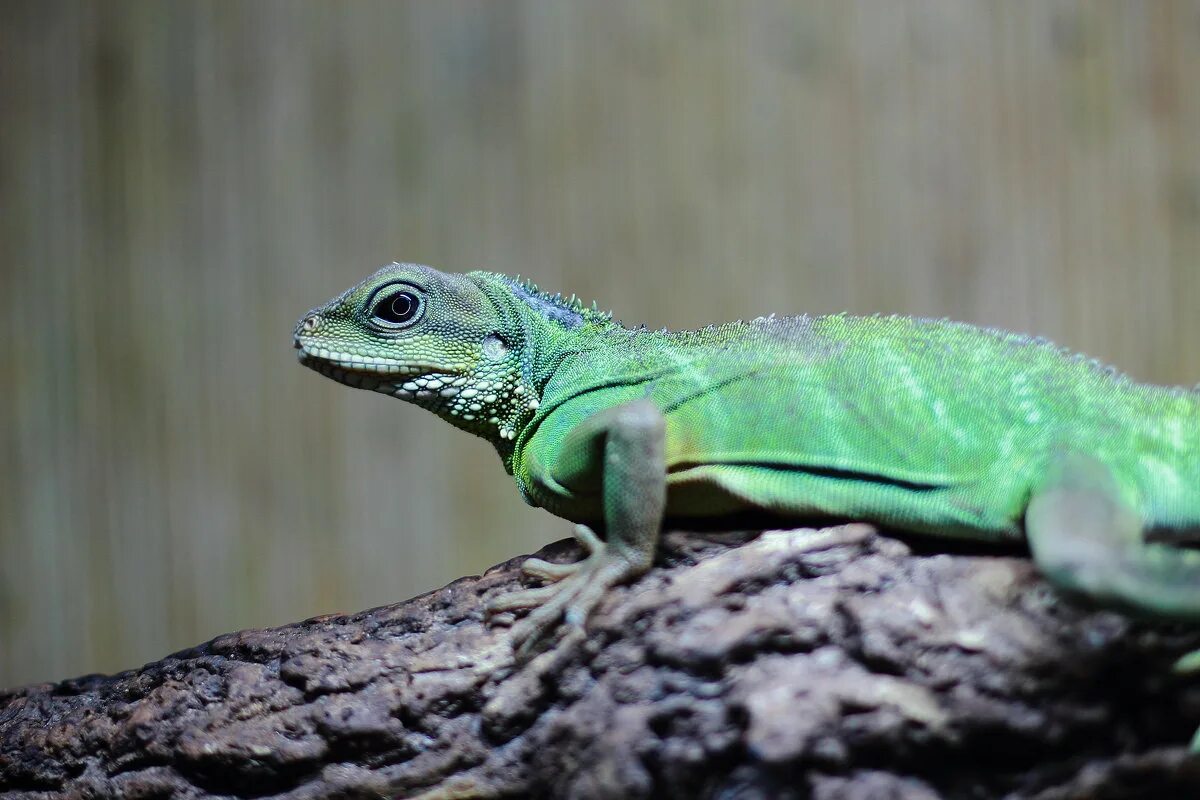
629	440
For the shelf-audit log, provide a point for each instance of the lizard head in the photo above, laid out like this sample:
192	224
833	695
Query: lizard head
425	336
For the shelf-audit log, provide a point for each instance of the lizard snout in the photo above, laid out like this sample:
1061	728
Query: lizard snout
308	325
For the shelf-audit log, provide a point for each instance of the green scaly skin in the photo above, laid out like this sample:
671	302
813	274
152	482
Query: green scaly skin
924	425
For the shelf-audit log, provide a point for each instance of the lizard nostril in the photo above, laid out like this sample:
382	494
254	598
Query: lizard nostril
311	323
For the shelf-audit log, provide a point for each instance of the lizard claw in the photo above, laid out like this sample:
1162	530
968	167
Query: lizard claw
575	589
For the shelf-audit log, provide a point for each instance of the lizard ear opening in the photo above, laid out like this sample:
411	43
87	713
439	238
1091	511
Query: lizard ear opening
494	347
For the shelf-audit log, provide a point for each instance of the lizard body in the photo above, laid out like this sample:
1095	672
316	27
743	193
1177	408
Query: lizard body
924	425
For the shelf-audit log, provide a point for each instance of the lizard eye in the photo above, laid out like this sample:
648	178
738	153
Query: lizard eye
395	309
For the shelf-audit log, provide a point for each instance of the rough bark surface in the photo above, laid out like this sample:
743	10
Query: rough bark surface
799	664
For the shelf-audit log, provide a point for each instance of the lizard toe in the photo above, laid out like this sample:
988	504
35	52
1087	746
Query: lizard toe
525	598
548	571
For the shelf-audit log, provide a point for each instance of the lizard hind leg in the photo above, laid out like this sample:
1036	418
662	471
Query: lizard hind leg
1087	541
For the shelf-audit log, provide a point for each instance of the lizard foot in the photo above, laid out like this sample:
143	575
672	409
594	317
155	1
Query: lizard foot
572	592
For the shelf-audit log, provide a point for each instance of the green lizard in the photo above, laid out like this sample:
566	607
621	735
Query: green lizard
922	425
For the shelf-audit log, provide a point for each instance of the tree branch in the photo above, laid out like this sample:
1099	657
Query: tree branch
824	664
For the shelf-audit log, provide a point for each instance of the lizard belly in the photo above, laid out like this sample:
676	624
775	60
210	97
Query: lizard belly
705	491
840	454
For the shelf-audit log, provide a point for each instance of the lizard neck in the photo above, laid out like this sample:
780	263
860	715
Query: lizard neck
498	397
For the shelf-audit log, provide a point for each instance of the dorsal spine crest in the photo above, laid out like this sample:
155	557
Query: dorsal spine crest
527	290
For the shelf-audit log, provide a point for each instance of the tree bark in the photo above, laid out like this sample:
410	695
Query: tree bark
833	663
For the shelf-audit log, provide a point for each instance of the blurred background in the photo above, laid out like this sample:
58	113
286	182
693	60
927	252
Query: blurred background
180	181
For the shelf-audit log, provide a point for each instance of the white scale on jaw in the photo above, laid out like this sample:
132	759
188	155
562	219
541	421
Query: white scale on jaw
352	361
458	395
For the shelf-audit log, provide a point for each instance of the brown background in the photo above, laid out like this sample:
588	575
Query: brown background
180	181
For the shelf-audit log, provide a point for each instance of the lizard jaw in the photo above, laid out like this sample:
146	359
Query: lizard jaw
366	372
311	355
358	378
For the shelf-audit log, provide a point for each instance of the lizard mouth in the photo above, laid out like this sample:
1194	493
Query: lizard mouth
362	372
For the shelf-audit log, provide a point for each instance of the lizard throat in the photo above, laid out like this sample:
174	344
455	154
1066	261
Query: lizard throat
494	405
